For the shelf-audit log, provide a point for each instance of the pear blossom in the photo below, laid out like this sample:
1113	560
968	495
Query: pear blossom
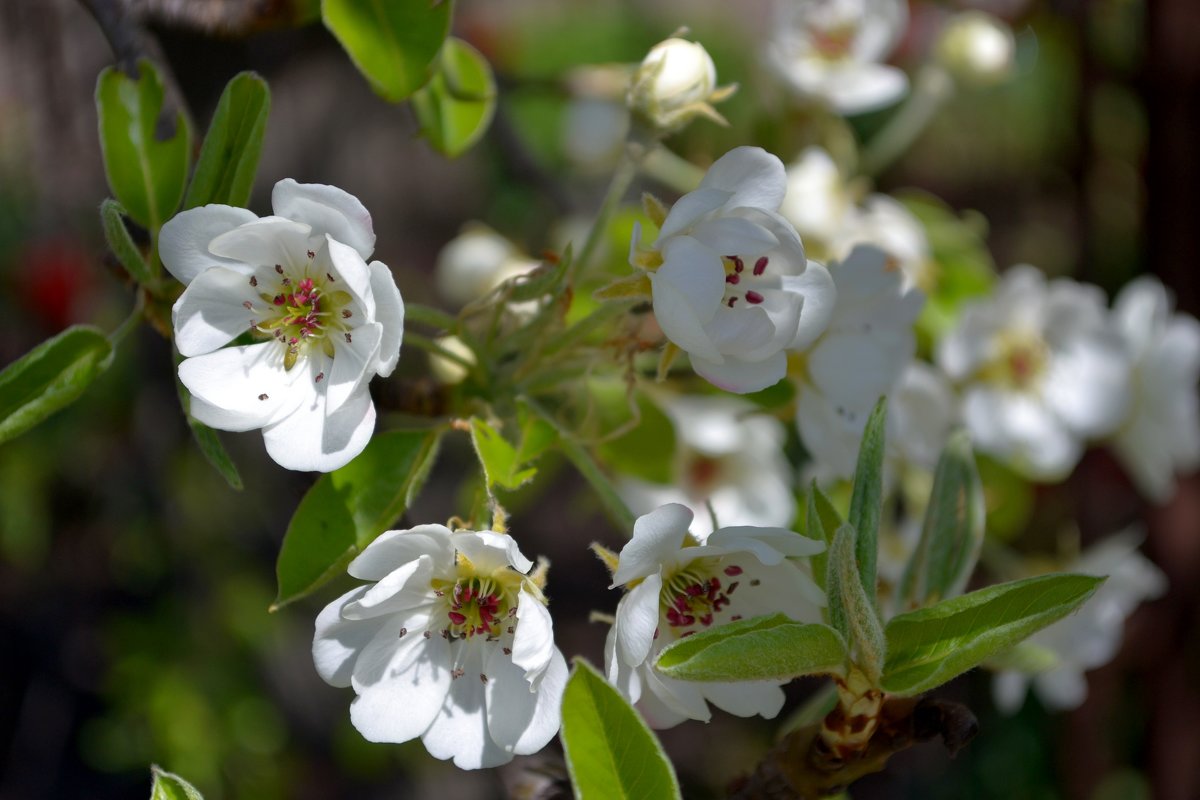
1160	435
450	641
727	456
477	261
831	50
324	321
922	410
1091	637
676	82
977	48
1040	370
858	359
733	278
677	585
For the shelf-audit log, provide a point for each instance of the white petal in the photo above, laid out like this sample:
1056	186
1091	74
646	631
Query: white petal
680	321
1022	430
399	642
867	88
337	642
266	241
682	697
696	272
393	549
737	331
309	440
522	720
1087	386
401	706
769	545
689	208
754	177
240	388
637	620
1061	688
490	551
1009	689
350	271
658	715
389	312
533	643
209	314
351	364
184	239
460	731
328	209
831	437
657	536
742	377
732	236
816	285
626	679
746	699
406	587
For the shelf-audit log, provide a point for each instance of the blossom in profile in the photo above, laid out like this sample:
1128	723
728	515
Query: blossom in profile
449	642
1040	370
677	585
727	456
731	284
1089	638
323	320
1160	436
858	359
832	51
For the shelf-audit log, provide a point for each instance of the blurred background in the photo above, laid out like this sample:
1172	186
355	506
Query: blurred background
134	584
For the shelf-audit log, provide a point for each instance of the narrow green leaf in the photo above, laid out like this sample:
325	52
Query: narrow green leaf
229	156
112	219
933	645
168	786
853	614
501	467
822	522
348	508
207	439
952	534
867	500
759	649
393	43
146	148
50	376
455	108
611	754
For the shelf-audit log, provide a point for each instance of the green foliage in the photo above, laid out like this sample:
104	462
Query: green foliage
112	219
50	376
610	752
867	498
229	156
501	465
456	106
932	645
764	648
851	610
208	441
147	148
393	43
822	522
168	786
348	508
952	533
645	441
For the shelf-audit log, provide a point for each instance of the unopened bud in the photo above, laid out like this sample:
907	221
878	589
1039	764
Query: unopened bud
447	370
675	82
977	48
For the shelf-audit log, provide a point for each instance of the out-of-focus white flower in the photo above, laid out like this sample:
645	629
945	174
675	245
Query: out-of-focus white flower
728	456
830	50
734	277
884	222
450	642
977	48
1041	371
677	586
1161	433
448	370
298	281
1091	637
676	82
476	262
594	131
857	360
922	410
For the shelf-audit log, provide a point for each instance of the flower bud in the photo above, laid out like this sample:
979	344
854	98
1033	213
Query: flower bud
977	48
447	370
675	82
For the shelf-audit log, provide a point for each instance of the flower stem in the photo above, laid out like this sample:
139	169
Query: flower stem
672	170
129	323
631	160
933	87
430	346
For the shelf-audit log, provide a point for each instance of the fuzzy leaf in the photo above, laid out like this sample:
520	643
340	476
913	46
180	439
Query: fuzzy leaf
501	465
112	218
610	753
229	156
867	500
759	649
821	523
456	106
933	645
851	611
168	786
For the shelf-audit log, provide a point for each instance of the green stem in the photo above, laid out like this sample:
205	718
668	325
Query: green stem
933	86
672	170
631	160
430	346
433	317
129	323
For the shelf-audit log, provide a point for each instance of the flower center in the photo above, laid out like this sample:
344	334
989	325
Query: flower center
1021	360
702	474
695	595
300	312
741	278
479	605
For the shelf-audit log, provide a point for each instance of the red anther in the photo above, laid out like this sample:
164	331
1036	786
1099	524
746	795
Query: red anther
760	266
278	300
279	268
681	603
738	264
732	586
320	377
457	618
655	635
706	620
754	297
732	570
695	590
247	305
733	278
732	300
735	617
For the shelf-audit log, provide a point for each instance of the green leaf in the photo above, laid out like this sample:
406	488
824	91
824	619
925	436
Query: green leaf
952	534
851	612
760	649
229	156
455	108
392	42
112	218
501	466
147	149
207	439
610	753
50	376
168	786
348	508
821	523
866	502
537	435
933	645
644	445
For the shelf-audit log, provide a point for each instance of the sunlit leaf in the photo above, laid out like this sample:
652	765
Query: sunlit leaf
229	156
168	786
112	218
866	502
455	108
498	457
851	611
763	648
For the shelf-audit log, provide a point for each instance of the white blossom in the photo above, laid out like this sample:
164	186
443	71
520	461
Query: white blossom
675	82
477	261
1091	637
677	585
1160	435
858	359
727	456
977	48
734	278
1040	369
325	321
831	50
450	641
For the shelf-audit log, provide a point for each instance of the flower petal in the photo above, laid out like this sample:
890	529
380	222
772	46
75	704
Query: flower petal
184	239
746	699
689	208
395	548
337	642
269	240
730	235
352	362
679	321
460	731
389	312
308	439
402	705
657	536
399	643
753	177
347	266
816	285
328	210
533	643
696	272
490	551
522	719
210	312
769	545
637	620
742	377
240	388
406	587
